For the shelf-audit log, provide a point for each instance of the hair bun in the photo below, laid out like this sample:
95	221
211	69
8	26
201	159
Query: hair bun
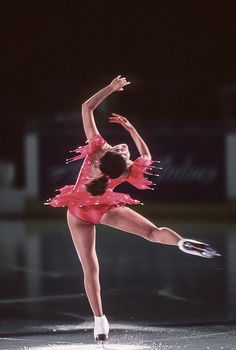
98	186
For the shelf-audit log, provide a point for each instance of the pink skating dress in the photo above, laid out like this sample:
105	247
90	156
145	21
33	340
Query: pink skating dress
83	204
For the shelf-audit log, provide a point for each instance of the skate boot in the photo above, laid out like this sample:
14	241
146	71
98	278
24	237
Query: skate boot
193	247
101	329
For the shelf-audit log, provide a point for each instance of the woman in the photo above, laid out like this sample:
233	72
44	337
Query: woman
92	200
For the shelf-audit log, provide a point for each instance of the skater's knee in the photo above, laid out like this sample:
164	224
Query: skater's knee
153	234
158	235
91	271
90	266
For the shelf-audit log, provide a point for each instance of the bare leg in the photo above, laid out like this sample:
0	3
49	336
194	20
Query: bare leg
126	219
84	237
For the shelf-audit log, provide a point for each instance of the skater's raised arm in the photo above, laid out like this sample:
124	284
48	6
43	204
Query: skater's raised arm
91	104
139	142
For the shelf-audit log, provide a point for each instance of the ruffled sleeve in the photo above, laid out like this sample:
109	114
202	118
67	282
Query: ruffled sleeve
93	145
140	167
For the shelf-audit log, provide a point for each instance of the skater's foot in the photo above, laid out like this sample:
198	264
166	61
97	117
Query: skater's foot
190	246
101	329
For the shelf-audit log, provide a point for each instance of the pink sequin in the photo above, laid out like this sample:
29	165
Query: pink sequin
91	208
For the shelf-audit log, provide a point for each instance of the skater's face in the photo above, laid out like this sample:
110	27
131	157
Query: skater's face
121	149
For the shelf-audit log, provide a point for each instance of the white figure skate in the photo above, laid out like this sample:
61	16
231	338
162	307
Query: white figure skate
101	329
193	247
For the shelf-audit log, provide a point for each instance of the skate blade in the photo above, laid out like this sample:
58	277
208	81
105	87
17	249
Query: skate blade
101	346
101	339
201	249
207	254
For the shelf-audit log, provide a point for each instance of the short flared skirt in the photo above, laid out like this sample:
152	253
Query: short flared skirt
87	207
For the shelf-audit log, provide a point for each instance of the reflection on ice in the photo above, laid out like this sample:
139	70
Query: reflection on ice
142	283
149	338
89	347
125	347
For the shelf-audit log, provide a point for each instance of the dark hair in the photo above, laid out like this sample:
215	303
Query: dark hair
98	186
111	165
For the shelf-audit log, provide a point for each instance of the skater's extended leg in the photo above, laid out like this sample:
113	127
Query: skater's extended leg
126	219
84	235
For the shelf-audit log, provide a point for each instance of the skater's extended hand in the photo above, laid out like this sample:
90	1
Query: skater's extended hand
118	119
118	83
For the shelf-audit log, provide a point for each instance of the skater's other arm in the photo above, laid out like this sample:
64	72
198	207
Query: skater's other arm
139	142
91	104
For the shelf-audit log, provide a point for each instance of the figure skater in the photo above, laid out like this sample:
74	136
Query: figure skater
92	201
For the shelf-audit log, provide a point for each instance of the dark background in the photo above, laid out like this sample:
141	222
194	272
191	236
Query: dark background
179	56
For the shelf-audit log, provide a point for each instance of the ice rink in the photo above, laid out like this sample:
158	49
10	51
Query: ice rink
155	297
130	338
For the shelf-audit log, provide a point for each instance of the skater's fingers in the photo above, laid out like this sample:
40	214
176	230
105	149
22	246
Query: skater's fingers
117	115
115	121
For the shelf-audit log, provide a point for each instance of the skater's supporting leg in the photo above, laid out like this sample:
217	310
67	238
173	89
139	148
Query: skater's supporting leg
84	236
126	219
